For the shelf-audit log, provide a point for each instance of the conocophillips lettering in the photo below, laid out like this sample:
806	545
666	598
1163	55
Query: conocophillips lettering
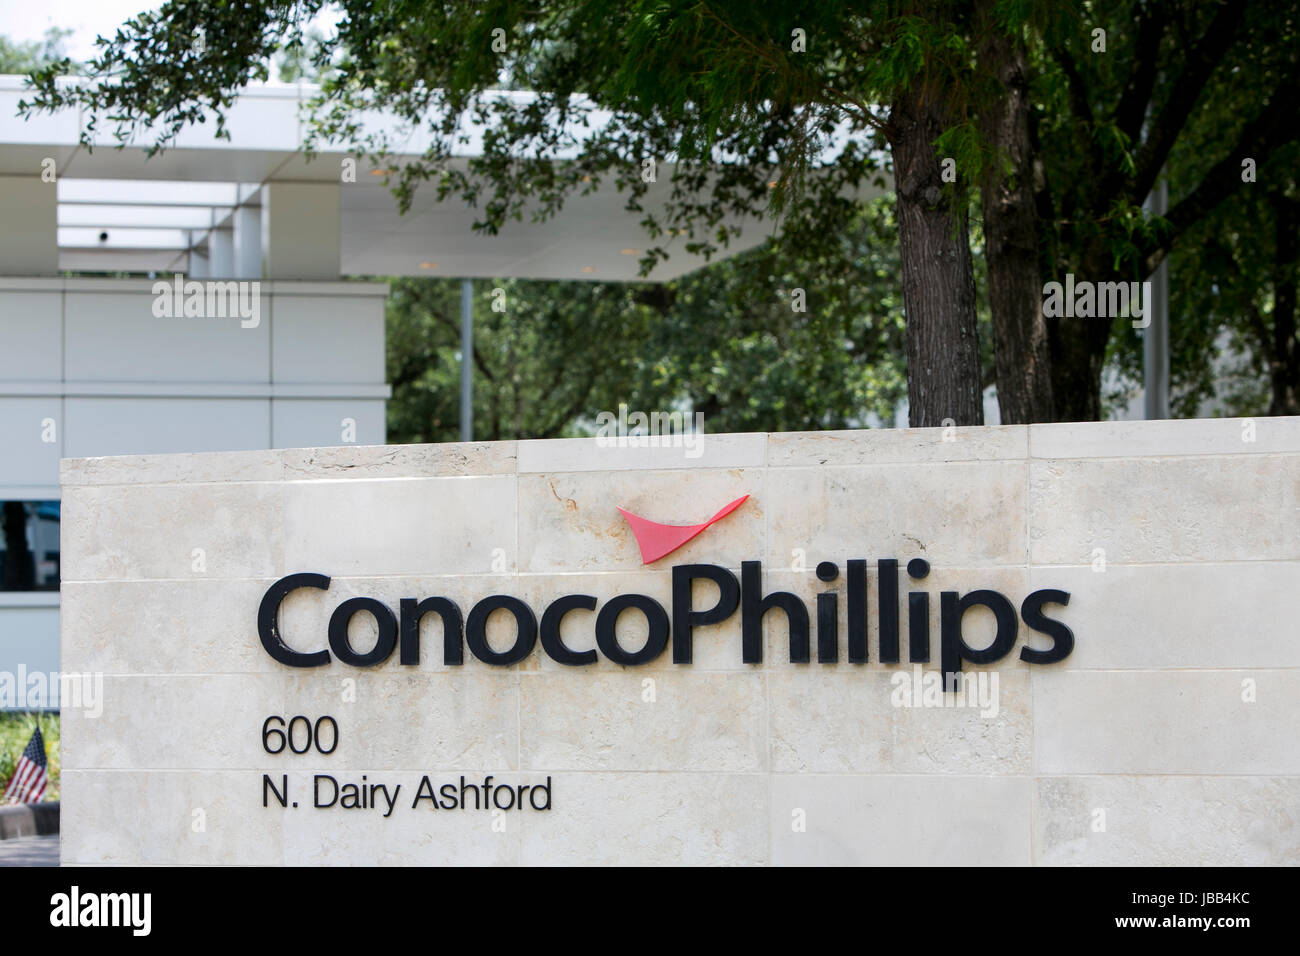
401	631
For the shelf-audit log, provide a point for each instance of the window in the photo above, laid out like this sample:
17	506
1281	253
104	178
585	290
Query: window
29	546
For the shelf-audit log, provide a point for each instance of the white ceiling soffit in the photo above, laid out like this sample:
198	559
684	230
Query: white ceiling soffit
141	202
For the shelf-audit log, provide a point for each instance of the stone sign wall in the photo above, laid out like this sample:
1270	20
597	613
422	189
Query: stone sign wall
1166	734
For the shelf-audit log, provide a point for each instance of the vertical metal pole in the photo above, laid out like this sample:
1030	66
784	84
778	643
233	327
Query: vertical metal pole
1155	337
466	360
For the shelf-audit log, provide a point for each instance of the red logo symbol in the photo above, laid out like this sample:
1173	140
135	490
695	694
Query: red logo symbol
657	540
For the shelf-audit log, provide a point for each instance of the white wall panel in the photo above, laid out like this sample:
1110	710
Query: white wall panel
31	336
144	426
117	338
29	638
320	338
27	459
304	423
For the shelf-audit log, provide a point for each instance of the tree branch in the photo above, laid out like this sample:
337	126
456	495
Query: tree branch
1185	90
1254	318
1272	129
569	413
1132	107
479	361
1074	82
409	371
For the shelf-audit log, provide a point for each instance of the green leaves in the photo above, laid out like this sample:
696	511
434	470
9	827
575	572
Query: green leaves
726	340
167	69
44	55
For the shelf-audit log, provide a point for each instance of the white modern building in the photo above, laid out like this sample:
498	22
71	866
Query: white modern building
92	364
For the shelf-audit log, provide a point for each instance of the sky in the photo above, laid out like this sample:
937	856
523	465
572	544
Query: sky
23	20
29	19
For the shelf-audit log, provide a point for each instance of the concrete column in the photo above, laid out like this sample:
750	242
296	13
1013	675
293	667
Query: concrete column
1155	337
300	230
221	253
196	266
247	241
29	241
466	359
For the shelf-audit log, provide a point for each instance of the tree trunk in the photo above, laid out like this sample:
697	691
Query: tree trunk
1076	367
1007	193
943	369
1284	368
1078	346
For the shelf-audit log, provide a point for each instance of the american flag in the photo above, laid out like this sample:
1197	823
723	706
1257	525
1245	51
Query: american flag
30	778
